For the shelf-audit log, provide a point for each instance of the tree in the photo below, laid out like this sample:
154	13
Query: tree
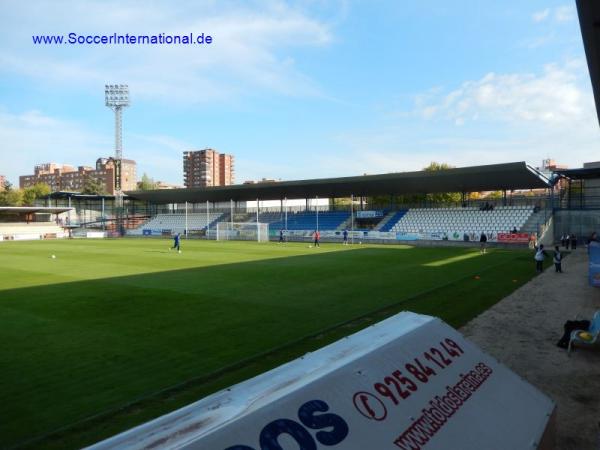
147	183
93	186
10	196
419	199
32	193
441	197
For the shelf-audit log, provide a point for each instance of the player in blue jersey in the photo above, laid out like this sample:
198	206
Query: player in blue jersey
176	239
345	234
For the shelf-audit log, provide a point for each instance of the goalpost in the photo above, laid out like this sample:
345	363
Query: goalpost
243	231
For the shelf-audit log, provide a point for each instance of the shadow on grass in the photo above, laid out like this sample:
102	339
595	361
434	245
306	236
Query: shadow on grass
84	360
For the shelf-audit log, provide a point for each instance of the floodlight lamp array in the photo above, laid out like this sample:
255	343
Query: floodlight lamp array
116	95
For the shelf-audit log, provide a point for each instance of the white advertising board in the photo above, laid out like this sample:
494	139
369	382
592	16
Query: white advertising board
410	382
369	214
26	237
95	234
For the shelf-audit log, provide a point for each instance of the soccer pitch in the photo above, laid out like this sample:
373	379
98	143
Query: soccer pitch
121	331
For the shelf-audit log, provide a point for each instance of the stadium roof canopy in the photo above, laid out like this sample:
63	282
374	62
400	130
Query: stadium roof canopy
510	176
580	174
78	196
32	209
589	21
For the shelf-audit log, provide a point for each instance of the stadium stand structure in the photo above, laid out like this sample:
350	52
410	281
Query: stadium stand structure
30	231
500	219
390	220
176	222
307	220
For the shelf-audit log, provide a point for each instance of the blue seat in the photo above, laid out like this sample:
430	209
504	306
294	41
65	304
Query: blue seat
328	220
586	338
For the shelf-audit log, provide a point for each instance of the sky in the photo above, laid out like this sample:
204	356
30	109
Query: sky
299	89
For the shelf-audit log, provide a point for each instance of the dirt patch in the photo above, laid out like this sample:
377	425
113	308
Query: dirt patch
521	331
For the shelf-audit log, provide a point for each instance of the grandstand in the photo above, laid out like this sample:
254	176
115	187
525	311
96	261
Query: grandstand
390	220
470	220
383	224
31	223
176	223
30	231
523	191
501	219
306	220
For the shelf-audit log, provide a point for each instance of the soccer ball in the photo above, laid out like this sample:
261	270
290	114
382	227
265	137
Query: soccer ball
310	246
179	251
53	257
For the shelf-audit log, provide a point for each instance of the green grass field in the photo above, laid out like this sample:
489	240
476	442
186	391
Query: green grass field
114	332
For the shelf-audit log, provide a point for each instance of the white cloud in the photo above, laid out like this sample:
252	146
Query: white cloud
495	119
250	50
560	14
564	13
555	96
34	137
540	16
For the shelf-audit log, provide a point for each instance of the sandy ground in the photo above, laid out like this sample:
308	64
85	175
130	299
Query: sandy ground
521	331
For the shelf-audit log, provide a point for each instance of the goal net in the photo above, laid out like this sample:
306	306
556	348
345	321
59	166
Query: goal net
242	231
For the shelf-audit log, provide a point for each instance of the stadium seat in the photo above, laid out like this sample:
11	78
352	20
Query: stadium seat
176	222
586	338
450	220
305	220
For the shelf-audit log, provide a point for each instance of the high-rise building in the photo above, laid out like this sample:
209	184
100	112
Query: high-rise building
63	177
225	169
208	167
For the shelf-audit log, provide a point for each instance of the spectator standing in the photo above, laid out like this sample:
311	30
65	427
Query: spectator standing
539	257
563	240
533	241
482	243
567	240
573	242
557	260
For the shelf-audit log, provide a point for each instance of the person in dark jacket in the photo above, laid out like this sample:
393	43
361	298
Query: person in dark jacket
557	260
482	243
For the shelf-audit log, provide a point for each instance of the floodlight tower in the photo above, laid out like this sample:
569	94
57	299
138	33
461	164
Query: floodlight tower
117	98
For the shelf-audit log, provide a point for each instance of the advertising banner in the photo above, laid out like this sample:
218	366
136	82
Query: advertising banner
406	236
117	174
434	236
26	237
515	238
149	232
409	382
369	214
379	235
95	234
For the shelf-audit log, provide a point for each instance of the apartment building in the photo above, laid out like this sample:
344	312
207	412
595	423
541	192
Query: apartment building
64	177
208	167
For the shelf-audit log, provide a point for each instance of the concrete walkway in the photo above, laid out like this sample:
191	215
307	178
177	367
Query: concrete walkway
521	332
